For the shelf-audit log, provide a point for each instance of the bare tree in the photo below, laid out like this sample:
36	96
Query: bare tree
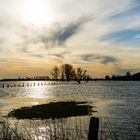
87	78
55	72
67	71
81	74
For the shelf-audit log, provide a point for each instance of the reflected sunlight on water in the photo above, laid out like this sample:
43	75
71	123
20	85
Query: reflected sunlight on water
115	102
105	95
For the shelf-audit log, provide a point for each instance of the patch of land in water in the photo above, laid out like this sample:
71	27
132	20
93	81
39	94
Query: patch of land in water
53	110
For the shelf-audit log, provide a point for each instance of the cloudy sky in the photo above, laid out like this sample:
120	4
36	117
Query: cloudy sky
102	36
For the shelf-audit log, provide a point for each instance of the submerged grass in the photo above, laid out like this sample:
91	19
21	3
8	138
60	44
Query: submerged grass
53	110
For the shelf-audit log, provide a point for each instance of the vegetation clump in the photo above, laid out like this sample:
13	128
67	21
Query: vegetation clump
53	110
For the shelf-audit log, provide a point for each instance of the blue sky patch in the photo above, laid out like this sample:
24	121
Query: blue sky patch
133	10
129	36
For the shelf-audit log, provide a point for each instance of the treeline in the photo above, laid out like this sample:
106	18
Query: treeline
37	78
127	77
67	72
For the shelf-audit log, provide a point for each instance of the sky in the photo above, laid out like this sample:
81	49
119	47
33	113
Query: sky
102	36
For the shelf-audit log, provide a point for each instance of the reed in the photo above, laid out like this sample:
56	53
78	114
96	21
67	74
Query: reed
56	129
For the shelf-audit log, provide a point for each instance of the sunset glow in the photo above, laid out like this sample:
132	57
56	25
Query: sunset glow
36	12
101	36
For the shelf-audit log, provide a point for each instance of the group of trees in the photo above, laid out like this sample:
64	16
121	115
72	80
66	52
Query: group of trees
127	77
68	72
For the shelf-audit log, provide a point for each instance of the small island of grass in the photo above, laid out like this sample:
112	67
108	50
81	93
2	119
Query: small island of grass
53	110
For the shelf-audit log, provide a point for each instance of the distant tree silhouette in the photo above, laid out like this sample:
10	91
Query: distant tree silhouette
67	71
55	72
128	74
80	74
107	77
127	77
41	77
136	76
113	76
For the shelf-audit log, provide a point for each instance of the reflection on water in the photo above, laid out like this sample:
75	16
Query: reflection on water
38	92
57	129
114	101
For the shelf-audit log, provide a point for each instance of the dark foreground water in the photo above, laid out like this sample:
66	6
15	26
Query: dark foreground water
117	103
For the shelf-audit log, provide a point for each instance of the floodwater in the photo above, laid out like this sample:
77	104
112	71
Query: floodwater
117	102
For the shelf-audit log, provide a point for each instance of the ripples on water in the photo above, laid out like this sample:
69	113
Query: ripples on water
117	103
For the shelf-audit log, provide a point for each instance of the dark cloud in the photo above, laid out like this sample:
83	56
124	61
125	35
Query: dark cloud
63	34
90	57
87	57
109	59
101	58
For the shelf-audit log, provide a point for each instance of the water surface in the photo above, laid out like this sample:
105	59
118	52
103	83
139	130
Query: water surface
116	102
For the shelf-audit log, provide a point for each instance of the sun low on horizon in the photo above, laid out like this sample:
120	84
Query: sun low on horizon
101	36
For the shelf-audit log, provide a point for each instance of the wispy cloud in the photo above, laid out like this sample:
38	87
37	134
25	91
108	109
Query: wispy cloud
134	10
103	59
57	35
128	36
109	59
38	55
106	33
